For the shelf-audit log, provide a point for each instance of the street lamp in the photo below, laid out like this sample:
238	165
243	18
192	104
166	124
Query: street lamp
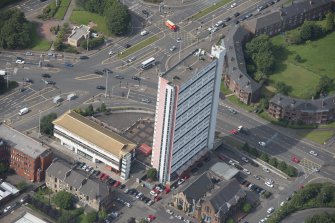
39	123
106	83
212	28
180	48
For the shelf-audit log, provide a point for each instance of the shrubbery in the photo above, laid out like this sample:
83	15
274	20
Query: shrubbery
281	165
92	43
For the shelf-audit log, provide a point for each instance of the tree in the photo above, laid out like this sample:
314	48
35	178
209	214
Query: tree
64	200
254	151
264	157
3	168
324	84
282	166
291	171
102	214
89	110
273	161
46	125
22	185
329	22
151	173
246	207
91	216
283	88
117	18
264	103
306	31
265	61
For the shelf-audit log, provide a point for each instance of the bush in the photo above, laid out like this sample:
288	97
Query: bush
267	194
273	161
246	208
264	157
282	166
291	171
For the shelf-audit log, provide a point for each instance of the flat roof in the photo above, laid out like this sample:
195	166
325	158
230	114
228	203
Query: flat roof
22	142
29	218
94	133
224	170
188	66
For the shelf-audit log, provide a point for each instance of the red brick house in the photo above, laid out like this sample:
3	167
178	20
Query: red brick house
26	156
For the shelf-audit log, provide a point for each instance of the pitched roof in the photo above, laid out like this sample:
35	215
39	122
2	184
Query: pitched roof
236	64
317	105
264	21
94	133
304	6
198	188
79	31
79	180
228	194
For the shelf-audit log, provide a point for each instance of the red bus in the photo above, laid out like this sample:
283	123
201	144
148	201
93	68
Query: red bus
171	25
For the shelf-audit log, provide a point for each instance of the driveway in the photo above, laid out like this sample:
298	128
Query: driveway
301	216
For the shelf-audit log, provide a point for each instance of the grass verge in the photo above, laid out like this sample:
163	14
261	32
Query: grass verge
84	17
210	9
237	102
224	89
37	42
138	46
61	10
318	136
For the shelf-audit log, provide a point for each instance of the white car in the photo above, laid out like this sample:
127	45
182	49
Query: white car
313	153
261	143
173	48
270	210
244	159
144	32
19	61
145	100
169	211
282	203
316	170
7	209
233	5
139	195
128	204
110	53
269	184
29	53
246	171
266	170
179	217
153	193
270	181
231	162
181	181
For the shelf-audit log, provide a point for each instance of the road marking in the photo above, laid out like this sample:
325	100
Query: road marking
309	166
88	77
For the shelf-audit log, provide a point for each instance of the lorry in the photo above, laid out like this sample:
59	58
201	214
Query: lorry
23	111
3	73
171	25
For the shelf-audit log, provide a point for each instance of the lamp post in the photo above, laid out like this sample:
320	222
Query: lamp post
39	123
179	48
106	83
212	28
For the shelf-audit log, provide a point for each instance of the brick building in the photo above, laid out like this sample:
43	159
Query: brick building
26	156
317	111
289	17
92	192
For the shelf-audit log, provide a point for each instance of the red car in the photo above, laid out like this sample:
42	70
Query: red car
186	177
151	218
117	183
157	198
167	190
295	159
102	176
233	131
221	156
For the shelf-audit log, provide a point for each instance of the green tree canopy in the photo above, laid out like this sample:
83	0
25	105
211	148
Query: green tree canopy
282	166
283	88
246	208
15	30
117	18
91	217
3	168
324	84
329	22
151	173
264	157
22	185
46	124
273	161
64	200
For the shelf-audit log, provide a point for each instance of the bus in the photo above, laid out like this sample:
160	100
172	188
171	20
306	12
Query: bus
148	63
171	25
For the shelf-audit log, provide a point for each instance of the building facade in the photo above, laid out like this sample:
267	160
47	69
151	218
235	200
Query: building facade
92	192
289	17
94	142
26	156
186	108
318	111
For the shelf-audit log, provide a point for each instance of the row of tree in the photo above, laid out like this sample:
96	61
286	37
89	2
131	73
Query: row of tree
116	14
323	217
311	196
312	30
281	165
89	110
15	30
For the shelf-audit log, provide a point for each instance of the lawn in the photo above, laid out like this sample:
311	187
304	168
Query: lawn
224	89
61	10
210	9
84	17
318	59
138	46
318	136
237	102
37	42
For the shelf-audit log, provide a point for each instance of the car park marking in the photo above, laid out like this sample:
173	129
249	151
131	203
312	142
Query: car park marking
88	77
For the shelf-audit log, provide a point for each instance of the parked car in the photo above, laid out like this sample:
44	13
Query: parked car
99	72
67	64
245	159
181	181
127	45
29	53
136	78
266	170
117	184
295	159
119	77
261	143
270	210
173	48
100	87
28	80
83	57
313	153
46	75
246	171
145	100
169	211
105	70
233	5
233	131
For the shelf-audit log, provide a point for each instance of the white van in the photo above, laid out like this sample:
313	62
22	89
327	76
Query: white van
144	32
23	111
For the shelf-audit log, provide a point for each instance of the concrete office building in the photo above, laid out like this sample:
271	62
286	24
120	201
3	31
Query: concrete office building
186	108
95	142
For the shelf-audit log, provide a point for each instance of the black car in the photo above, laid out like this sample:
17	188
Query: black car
101	87
236	14
105	70
46	75
145	12
99	72
83	57
119	77
122	186
227	19
111	181
135	78
50	82
28	80
127	45
97	173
